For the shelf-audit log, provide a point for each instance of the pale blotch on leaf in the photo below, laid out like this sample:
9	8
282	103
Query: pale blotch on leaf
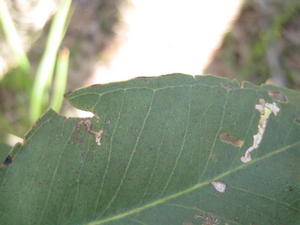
88	124
265	110
219	186
278	96
230	139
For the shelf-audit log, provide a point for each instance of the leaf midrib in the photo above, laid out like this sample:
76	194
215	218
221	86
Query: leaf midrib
193	188
75	95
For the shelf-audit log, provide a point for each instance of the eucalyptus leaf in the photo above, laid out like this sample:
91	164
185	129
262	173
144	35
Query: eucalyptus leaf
161	151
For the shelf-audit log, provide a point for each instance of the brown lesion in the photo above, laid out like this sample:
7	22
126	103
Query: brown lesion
278	96
230	139
87	123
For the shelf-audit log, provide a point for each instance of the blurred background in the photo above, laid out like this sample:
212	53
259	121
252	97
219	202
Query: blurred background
48	48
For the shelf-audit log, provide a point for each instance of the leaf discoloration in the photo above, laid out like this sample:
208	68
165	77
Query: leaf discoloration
230	139
88	125
219	186
265	110
278	96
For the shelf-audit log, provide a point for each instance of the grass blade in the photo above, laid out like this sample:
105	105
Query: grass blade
60	81
39	95
12	37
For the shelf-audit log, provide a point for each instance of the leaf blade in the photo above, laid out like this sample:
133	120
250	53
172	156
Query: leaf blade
152	165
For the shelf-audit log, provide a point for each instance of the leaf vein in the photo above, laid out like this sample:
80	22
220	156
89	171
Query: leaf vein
182	145
131	156
216	136
263	196
109	153
193	188
54	173
202	211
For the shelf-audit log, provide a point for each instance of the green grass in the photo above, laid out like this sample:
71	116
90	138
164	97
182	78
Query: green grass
12	37
44	76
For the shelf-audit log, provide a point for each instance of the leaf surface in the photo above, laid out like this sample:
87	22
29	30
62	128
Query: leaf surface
152	154
4	150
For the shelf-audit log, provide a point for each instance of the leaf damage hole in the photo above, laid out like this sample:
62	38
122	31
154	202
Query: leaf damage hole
219	186
230	139
265	110
88	125
278	96
297	120
8	160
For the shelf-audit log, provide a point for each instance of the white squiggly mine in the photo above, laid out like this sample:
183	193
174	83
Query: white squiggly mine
265	110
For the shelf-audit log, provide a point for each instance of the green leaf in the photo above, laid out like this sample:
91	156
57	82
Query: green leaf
160	151
4	150
60	82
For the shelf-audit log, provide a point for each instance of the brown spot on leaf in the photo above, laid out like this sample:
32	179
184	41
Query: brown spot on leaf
88	125
230	139
278	96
